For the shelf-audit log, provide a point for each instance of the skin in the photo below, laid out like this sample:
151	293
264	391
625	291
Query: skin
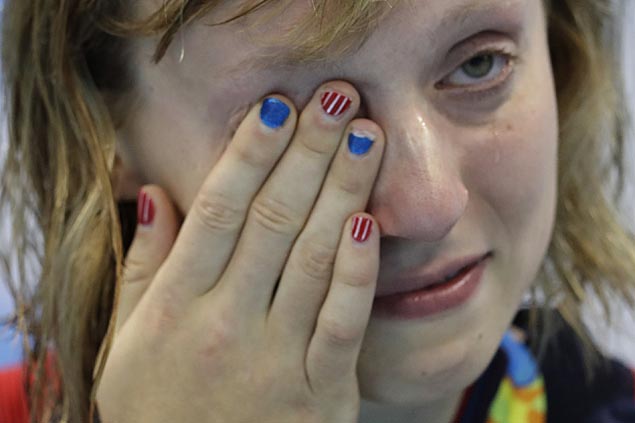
465	169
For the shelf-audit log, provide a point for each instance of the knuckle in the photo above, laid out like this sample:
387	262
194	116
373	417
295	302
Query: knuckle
337	335
135	271
216	212
316	147
275	216
316	120
217	335
251	155
350	185
357	279
316	260
164	312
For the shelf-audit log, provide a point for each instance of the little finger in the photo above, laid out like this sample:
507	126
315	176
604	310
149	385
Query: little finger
334	349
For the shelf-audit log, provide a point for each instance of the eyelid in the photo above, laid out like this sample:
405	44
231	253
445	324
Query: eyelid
508	67
477	43
481	43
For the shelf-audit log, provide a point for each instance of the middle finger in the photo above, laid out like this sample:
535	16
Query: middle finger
281	208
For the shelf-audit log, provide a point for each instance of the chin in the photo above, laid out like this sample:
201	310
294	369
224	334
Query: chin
413	362
415	379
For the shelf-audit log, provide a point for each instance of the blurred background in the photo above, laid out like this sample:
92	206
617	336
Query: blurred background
617	340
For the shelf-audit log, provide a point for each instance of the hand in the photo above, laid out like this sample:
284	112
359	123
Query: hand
256	311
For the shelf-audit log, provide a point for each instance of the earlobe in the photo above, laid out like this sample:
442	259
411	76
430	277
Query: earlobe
125	180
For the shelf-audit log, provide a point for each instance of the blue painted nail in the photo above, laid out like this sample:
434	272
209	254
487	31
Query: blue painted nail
359	144
274	113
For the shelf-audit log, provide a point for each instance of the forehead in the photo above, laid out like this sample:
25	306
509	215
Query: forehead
295	33
265	41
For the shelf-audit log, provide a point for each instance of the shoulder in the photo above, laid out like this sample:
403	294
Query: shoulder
606	395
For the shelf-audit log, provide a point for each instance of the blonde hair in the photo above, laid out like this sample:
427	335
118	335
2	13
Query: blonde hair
66	70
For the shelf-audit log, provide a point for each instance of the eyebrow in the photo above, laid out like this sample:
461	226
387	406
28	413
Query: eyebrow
464	14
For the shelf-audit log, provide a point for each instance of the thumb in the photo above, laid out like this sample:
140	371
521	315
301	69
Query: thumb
157	228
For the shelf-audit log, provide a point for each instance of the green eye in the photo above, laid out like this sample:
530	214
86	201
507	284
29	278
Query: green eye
483	69
479	66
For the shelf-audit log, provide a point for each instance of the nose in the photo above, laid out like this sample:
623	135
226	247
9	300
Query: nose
419	193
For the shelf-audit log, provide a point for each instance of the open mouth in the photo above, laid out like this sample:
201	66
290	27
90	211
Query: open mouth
455	276
418	297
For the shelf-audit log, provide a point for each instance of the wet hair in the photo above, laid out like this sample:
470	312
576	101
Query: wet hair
68	77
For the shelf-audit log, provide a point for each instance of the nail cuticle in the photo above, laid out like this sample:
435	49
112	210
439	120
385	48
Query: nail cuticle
362	228
274	113
145	209
360	142
335	104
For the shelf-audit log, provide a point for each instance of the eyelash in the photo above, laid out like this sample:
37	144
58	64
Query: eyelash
504	62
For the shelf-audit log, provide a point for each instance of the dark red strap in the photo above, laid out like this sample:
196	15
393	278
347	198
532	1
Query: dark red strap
13	402
467	394
13	397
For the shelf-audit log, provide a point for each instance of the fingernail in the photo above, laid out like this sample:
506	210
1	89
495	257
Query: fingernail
362	228
359	144
335	104
274	113
145	209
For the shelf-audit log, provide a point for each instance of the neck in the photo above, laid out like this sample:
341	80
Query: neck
440	411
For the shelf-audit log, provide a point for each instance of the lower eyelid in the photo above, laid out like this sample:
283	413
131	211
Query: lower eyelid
493	91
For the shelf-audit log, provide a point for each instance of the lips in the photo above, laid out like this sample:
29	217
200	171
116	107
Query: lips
430	275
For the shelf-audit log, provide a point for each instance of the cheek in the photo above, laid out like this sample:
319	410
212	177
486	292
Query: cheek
177	137
182	123
172	150
513	175
512	166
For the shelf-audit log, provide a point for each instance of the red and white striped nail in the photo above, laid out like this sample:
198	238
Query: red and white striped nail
362	228
335	104
145	209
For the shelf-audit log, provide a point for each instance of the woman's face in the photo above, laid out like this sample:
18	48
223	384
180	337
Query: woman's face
469	165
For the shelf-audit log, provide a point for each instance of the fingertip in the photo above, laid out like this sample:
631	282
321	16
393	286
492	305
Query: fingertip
277	112
155	210
363	228
146	208
156	231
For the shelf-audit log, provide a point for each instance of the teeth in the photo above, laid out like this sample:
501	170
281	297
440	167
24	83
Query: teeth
458	272
455	274
461	270
452	275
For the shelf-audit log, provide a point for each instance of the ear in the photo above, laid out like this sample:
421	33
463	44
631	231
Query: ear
126	181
